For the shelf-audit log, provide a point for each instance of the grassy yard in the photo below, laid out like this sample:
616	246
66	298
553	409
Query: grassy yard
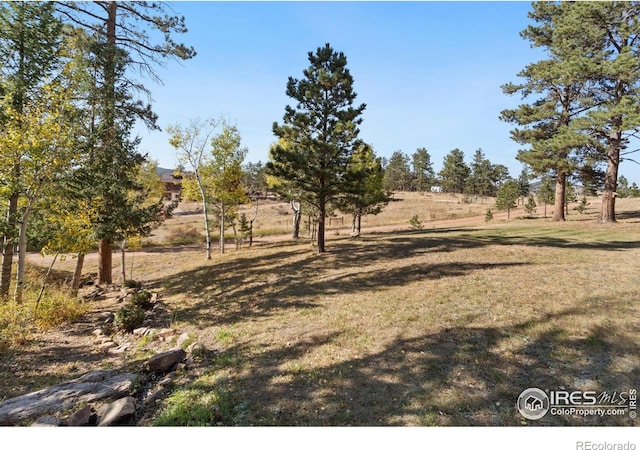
442	326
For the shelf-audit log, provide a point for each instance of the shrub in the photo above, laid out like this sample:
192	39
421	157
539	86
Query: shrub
132	284
582	205
415	223
18	321
142	299
488	217
129	317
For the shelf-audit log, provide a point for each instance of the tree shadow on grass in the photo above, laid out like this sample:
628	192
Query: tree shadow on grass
229	295
265	283
460	376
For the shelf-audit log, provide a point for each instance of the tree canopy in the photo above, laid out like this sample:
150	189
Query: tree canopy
321	131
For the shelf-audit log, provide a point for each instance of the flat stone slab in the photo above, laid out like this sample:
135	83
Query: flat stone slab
92	386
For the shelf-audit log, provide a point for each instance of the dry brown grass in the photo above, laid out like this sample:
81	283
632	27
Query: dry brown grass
444	326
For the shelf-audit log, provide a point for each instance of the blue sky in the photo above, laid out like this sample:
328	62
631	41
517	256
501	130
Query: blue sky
429	72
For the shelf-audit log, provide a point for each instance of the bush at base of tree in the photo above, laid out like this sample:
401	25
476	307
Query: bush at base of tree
142	299
129	317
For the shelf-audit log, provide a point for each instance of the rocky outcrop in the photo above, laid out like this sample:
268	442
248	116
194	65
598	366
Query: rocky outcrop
104	397
98	385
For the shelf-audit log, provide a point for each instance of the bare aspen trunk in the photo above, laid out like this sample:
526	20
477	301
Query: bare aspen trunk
44	282
558	206
222	211
296	207
22	255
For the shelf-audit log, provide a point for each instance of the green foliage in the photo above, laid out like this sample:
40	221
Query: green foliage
507	197
132	284
455	172
624	190
397	173
320	133
582	206
142	299
423	173
416	223
363	193
546	193
530	206
488	217
484	177
129	317
243	226
195	407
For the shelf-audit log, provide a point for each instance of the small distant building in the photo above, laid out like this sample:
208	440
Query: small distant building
437	189
172	182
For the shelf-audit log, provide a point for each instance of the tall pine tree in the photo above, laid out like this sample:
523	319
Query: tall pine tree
321	130
556	86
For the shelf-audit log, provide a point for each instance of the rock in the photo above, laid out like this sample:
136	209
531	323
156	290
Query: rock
196	348
165	333
81	417
98	332
119	350
164	361
46	421
107	345
87	388
182	339
140	331
106	315
117	411
167	381
153	396
94	293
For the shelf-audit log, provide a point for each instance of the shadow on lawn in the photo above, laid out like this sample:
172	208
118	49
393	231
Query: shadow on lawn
232	292
263	284
457	376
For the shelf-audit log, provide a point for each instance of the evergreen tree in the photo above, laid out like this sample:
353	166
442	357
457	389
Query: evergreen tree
364	193
507	196
546	194
610	33
455	172
423	173
397	173
122	43
483	176
322	131
557	86
530	206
